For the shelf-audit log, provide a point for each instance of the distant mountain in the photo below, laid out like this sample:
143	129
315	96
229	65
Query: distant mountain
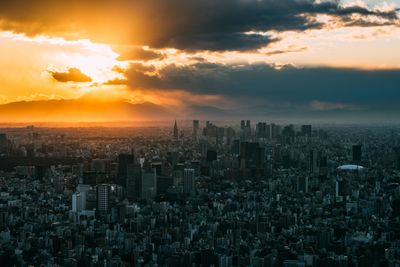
82	110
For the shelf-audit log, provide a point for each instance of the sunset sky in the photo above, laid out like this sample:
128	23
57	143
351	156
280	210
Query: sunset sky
203	57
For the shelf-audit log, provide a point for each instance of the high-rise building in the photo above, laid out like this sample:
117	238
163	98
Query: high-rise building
103	198
176	132
313	161
268	131
195	129
133	182
78	201
149	185
123	161
189	181
357	154
261	130
246	129
275	130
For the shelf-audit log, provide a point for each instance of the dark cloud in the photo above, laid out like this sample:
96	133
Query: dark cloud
290	49
183	24
318	88
137	53
72	75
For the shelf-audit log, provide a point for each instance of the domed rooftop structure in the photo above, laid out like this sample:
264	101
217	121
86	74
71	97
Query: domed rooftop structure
350	168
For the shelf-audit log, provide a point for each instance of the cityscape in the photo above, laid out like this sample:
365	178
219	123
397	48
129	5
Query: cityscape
206	194
200	133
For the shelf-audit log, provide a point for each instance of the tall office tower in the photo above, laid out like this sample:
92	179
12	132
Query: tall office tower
275	130
103	198
176	132
242	124
261	129
134	182
78	201
123	161
195	129
246	130
306	130
268	131
188	182
357	153
302	184
313	161
149	185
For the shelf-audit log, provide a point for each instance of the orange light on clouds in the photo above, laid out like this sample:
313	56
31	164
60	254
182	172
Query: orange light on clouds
29	61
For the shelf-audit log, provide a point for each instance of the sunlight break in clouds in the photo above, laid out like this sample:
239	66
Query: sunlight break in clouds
38	57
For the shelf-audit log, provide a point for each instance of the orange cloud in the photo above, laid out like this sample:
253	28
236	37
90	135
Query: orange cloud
72	75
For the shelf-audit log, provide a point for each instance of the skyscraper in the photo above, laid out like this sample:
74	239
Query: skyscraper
103	198
357	154
261	128
195	129
176	133
133	181
123	161
313	161
149	185
78	201
188	181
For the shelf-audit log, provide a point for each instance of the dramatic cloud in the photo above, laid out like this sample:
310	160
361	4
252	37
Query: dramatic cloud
316	88
138	53
182	24
72	75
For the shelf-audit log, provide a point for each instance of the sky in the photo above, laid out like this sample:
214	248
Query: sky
254	58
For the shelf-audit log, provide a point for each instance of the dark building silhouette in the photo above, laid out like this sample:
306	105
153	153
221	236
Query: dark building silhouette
242	124
133	181
176	132
196	127
103	198
123	161
211	155
357	154
313	161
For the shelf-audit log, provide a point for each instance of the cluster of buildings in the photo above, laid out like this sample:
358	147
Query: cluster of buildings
201	194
